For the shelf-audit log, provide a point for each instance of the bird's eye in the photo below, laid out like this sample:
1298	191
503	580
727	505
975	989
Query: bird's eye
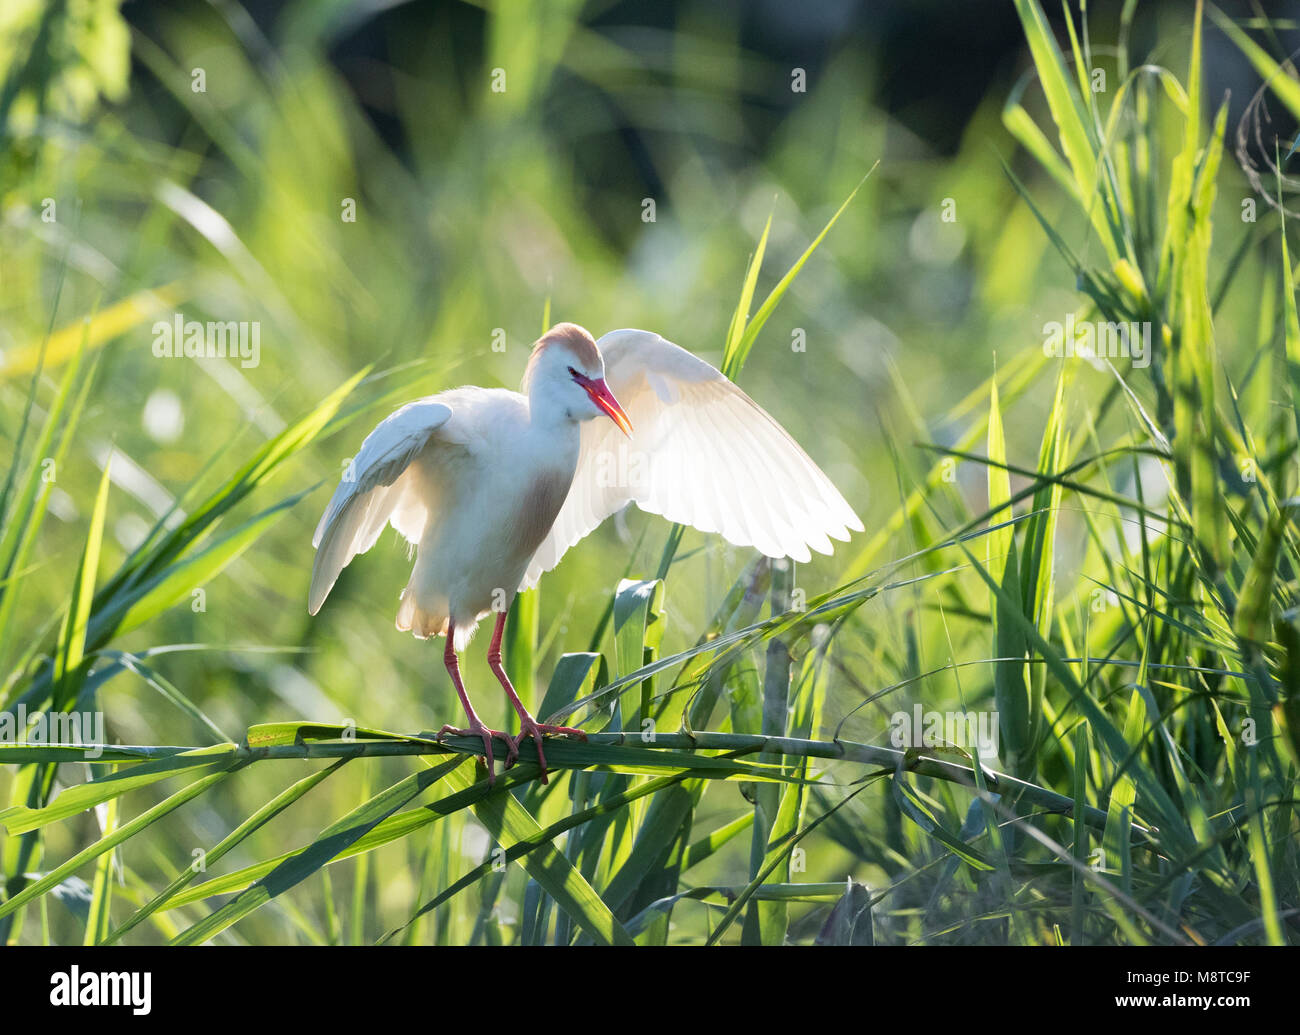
574	374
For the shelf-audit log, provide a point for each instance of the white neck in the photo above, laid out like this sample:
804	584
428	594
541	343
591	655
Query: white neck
550	407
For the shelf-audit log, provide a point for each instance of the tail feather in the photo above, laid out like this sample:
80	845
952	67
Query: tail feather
426	623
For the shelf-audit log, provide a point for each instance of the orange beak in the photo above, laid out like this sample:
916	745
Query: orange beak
600	394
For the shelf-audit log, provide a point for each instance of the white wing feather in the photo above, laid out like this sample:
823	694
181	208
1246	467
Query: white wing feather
372	493
702	453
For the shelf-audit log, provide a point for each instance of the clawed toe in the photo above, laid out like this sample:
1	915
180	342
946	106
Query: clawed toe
487	735
537	730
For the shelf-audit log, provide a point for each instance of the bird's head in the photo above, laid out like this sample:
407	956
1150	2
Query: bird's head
566	374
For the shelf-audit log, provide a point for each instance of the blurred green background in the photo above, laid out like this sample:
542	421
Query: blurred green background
203	157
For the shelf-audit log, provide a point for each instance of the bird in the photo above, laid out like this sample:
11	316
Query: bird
492	487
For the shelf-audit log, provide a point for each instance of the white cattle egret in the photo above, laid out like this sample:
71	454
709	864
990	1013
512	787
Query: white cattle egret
492	487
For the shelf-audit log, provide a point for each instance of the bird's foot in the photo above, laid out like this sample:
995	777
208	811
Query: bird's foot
530	727
477	729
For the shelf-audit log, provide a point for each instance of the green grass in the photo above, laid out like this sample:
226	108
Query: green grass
1101	557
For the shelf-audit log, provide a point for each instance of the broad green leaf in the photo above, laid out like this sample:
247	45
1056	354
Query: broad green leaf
332	840
111	840
850	920
508	822
254	822
74	800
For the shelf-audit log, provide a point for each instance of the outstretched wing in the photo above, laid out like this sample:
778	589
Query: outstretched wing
373	491
702	453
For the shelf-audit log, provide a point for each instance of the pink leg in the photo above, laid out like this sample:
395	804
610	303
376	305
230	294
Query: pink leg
528	726
476	727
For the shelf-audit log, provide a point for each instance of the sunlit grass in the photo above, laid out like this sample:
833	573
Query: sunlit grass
1100	556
